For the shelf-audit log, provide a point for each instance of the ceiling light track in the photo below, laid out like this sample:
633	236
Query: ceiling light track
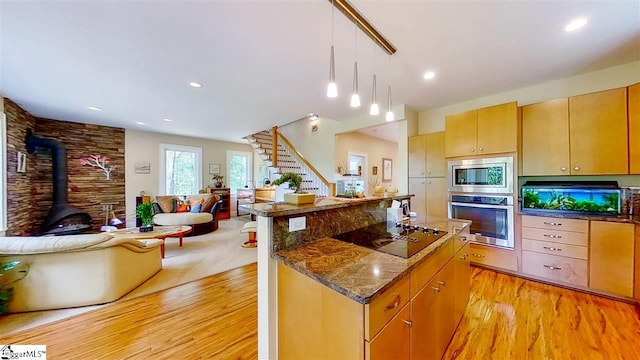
353	15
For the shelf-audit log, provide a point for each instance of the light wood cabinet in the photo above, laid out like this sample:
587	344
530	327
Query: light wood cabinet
427	171
612	257
545	138
393	341
634	128
582	135
498	258
488	130
637	270
414	319
598	133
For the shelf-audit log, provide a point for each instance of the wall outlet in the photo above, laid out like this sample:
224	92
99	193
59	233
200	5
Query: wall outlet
297	223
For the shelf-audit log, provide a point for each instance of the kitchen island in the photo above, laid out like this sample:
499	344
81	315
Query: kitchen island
347	300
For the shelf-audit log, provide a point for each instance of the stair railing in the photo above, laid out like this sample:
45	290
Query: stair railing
313	181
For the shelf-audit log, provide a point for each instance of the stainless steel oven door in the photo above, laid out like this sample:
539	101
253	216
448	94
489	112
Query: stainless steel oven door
490	224
490	175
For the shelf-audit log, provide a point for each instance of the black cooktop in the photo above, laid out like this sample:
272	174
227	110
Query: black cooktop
400	239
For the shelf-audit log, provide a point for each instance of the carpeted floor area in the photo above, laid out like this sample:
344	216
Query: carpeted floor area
200	256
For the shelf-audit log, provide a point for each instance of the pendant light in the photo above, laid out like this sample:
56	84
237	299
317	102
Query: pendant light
355	97
374	110
390	116
332	89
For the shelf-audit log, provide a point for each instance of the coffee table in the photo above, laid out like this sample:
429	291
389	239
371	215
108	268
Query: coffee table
159	232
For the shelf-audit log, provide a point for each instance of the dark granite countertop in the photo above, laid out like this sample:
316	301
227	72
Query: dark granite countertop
282	209
632	219
358	272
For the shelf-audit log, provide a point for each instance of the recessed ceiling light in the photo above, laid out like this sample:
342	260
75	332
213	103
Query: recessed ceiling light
195	84
429	75
313	116
167	120
575	24
140	123
94	108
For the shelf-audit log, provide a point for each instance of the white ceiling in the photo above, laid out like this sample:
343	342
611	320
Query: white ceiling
265	63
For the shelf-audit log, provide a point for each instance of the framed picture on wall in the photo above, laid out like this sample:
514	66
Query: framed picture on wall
386	169
142	167
214	168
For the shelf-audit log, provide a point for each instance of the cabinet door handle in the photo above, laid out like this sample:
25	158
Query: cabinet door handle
477	255
463	257
481	149
552	223
396	303
577	168
442	283
408	322
551	248
551	267
436	289
473	150
553	236
563	168
463	238
429	172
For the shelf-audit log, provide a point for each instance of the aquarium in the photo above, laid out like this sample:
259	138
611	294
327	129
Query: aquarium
571	198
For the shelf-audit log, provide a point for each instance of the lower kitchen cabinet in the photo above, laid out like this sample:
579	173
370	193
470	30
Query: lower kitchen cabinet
317	322
497	258
557	268
393	340
612	258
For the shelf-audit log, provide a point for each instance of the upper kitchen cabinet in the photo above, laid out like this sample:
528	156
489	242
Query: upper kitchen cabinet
598	133
426	155
489	130
634	128
545	138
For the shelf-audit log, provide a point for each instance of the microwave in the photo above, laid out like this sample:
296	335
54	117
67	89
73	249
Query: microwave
489	175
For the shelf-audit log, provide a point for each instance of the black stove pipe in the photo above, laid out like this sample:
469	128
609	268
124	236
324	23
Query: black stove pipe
59	164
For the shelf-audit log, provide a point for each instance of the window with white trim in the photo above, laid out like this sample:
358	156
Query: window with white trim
180	169
239	170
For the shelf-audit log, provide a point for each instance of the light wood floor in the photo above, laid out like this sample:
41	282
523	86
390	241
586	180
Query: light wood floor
216	318
212	318
513	318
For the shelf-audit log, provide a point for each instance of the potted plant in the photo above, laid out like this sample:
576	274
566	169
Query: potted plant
145	212
295	183
217	180
10	272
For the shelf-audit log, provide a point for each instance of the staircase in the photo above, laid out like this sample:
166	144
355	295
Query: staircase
278	153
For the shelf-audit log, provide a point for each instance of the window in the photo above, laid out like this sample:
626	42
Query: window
239	170
180	169
357	163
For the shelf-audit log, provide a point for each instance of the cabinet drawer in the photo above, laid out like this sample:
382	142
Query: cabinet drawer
556	236
460	240
422	273
550	223
393	341
493	257
552	248
556	268
384	307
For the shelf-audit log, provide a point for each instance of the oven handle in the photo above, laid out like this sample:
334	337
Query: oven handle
481	205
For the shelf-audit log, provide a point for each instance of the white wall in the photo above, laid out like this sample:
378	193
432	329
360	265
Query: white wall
432	120
319	147
144	146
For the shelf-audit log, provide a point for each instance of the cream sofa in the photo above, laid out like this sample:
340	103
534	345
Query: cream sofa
78	270
201	222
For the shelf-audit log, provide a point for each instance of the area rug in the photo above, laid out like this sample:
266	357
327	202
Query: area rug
200	256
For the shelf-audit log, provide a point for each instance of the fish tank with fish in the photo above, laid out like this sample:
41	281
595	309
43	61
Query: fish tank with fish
589	198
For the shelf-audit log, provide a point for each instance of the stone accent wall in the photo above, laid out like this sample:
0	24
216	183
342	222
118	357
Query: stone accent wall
19	204
30	193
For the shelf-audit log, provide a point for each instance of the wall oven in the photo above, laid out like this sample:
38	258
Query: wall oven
491	215
489	175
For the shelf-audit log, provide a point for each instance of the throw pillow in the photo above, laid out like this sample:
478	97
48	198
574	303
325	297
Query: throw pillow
209	202
166	203
196	208
193	203
182	208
